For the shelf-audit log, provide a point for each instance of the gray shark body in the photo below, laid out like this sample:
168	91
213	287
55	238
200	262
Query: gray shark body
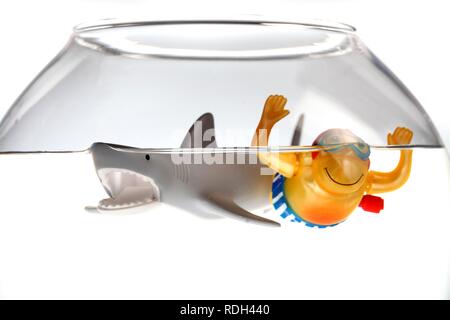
134	177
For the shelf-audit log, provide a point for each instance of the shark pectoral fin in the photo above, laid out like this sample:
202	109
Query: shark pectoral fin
226	206
129	197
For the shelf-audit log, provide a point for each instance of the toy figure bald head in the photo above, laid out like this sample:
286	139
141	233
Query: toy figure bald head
342	165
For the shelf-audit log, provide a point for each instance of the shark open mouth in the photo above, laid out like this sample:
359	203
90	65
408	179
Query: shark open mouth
127	189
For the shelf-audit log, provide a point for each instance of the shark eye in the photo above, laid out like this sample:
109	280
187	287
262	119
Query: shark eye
147	157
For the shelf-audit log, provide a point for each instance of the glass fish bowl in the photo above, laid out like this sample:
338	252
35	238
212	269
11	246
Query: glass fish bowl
276	123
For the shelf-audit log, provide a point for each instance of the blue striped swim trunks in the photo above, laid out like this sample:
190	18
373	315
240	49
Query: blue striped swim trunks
282	207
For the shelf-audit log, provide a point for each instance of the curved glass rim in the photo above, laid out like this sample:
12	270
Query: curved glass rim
118	23
329	47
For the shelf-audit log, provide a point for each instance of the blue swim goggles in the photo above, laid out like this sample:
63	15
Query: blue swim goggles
337	139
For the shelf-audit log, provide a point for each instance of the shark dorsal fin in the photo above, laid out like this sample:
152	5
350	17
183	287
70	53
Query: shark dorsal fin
201	134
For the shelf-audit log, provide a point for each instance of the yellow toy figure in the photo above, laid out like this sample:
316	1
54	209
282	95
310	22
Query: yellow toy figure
322	188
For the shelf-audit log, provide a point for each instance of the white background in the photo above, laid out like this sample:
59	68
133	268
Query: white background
53	249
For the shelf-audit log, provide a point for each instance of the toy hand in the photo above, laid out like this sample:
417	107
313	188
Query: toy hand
401	135
274	110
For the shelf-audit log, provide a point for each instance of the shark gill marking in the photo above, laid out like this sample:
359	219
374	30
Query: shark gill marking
182	172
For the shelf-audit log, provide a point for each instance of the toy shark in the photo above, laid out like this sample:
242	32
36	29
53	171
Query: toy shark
135	177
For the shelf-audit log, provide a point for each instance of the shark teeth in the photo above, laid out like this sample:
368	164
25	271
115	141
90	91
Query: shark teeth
127	189
114	204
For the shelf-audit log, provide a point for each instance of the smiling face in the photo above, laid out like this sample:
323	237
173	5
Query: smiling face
342	166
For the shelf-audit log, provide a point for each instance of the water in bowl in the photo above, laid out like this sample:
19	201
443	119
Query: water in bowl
401	252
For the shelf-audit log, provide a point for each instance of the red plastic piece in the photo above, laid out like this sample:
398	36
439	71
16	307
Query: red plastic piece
372	203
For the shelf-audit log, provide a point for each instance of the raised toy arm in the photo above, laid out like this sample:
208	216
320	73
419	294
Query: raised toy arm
283	163
388	181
